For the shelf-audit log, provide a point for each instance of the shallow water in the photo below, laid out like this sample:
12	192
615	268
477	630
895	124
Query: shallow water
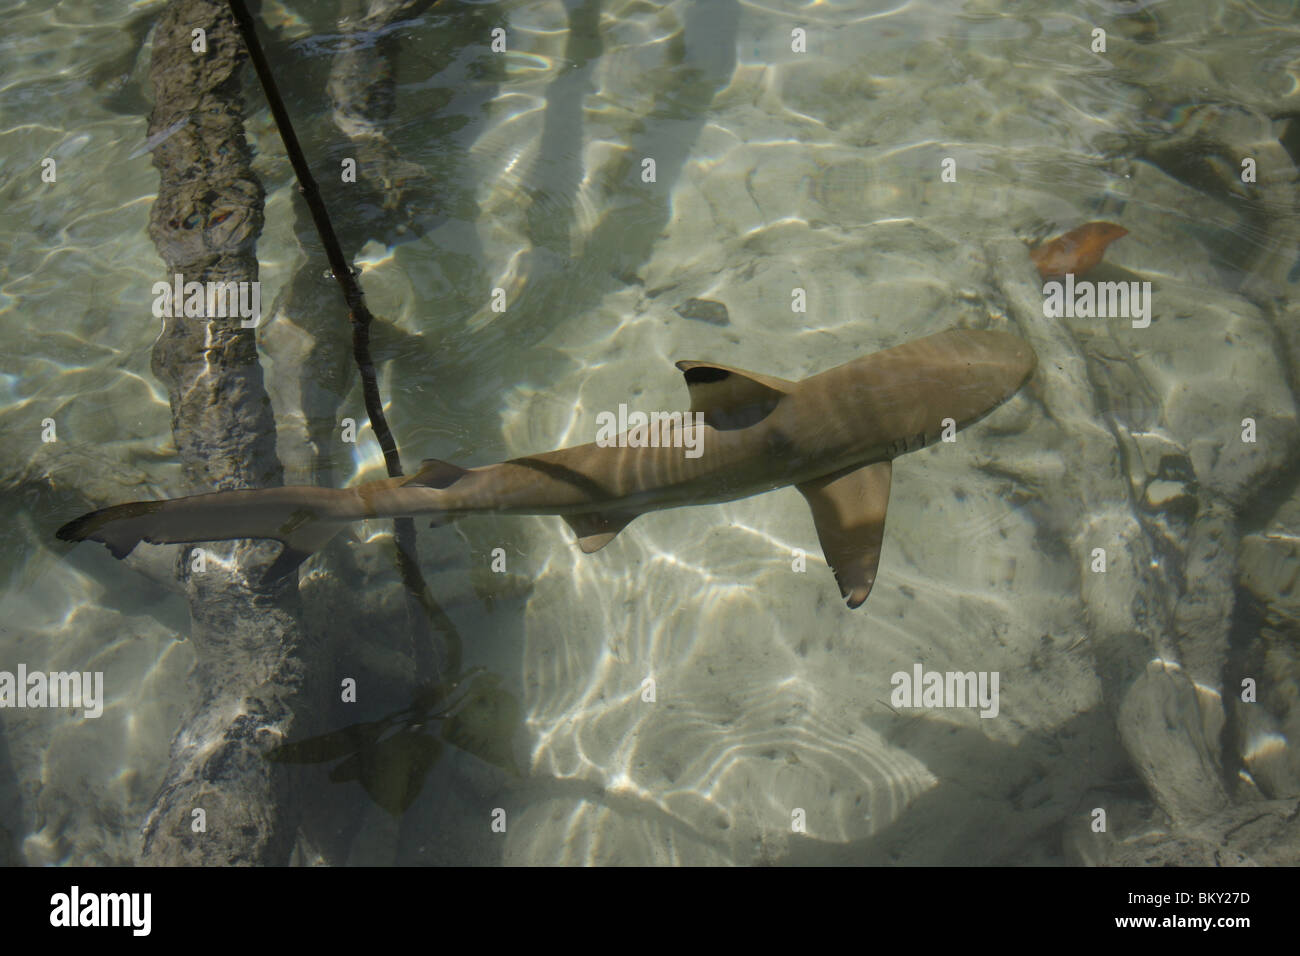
771	735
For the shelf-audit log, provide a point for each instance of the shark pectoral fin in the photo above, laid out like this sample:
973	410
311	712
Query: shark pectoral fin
299	545
595	529
284	565
731	397
849	511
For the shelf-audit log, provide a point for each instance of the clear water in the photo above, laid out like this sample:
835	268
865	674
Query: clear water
770	736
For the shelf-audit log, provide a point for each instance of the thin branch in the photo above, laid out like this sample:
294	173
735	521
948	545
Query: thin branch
339	266
418	596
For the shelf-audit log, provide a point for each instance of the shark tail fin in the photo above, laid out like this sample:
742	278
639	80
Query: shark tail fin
120	527
222	516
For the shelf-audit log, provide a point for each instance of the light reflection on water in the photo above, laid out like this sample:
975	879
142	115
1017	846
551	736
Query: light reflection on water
775	170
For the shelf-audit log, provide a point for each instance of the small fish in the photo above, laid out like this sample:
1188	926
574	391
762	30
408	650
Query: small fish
704	310
160	137
1078	251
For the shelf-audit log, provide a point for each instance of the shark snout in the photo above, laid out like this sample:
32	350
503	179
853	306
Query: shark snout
1022	357
1013	354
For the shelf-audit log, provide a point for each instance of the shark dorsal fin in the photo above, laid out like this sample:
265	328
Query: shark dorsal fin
433	473
731	397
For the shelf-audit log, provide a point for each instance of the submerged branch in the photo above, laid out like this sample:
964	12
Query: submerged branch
417	591
339	266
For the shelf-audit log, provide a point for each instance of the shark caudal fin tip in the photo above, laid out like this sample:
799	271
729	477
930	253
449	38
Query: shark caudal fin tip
106	526
81	528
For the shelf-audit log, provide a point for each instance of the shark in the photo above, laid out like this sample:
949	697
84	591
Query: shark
833	436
